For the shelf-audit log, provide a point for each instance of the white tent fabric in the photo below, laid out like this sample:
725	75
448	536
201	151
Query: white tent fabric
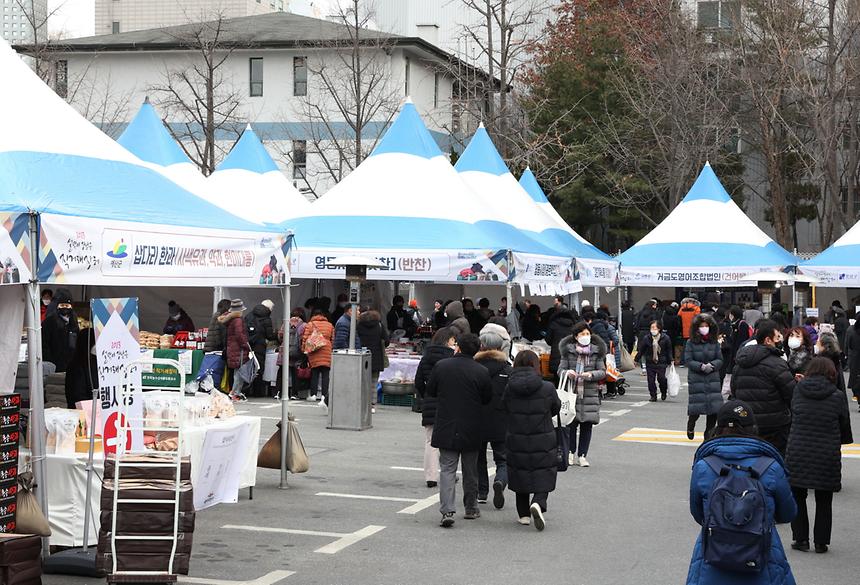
838	265
250	185
707	240
12	299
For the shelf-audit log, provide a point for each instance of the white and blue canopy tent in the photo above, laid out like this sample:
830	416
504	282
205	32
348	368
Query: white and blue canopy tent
838	265
407	206
79	209
250	185
706	241
594	266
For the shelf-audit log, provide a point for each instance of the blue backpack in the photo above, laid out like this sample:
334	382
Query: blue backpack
736	533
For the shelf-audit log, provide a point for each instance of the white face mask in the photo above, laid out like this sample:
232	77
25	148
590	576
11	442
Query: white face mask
703	331
584	340
794	342
655	333
46	302
817	349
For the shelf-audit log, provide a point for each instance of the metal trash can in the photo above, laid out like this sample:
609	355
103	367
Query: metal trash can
350	390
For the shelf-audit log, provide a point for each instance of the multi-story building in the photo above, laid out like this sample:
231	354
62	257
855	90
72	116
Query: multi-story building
23	20
118	16
288	74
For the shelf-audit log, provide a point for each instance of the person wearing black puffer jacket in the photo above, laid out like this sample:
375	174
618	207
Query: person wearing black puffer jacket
762	379
704	358
441	347
373	335
494	424
820	426
560	325
656	348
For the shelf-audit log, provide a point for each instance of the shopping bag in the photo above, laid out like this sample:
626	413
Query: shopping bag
248	371
627	362
562	435
673	381
29	519
727	388
315	341
612	372
303	371
635	352
297	456
213	365
567	395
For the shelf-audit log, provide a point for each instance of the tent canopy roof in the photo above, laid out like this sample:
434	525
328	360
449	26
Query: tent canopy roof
249	154
147	138
532	187
706	229
844	252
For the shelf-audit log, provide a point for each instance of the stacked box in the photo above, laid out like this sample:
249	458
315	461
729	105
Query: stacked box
20	559
10	419
153	484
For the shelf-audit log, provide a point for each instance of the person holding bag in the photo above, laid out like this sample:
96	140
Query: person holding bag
583	361
656	348
317	341
703	358
530	441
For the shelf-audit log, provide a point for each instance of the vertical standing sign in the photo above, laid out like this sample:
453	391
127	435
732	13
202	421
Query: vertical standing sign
116	326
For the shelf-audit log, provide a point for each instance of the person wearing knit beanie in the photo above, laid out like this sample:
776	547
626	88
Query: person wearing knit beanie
495	336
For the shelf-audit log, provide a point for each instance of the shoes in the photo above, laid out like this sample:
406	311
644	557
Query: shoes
608	395
472	514
820	548
372	410
691	429
447	520
583	462
315	397
525	520
801	545
498	495
653	399
482	499
537	516
322	403
277	397
294	397
663	396
238	397
644	372
571	459
432	484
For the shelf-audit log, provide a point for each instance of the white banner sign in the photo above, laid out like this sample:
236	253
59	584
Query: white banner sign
834	277
702	277
221	464
597	272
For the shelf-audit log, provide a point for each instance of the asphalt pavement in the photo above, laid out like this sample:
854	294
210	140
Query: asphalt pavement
362	515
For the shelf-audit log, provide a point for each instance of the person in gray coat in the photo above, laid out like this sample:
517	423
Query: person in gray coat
583	361
456	317
703	358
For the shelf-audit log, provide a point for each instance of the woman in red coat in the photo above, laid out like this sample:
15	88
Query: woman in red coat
320	359
238	348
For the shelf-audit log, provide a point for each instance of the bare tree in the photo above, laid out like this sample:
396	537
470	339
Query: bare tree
40	50
97	99
198	98
349	95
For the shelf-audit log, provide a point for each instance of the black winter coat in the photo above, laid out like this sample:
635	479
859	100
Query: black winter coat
260	329
58	340
216	337
80	382
852	350
374	336
761	378
672	325
704	388
432	355
531	443
628	326
646	349
495	424
462	387
820	425
560	325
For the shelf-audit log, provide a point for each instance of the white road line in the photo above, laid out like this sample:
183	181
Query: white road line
268	406
342	541
421	505
638	404
621	412
269	579
406	468
365	497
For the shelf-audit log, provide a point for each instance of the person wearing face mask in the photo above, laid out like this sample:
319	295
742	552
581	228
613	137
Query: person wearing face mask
828	346
60	333
703	358
656	348
763	380
47	297
800	351
583	361
177	320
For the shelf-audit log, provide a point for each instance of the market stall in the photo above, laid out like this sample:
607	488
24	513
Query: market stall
838	265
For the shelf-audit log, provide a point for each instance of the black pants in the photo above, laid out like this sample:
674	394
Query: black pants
499	459
776	436
657	374
585	430
258	386
318	375
823	516
523	503
710	424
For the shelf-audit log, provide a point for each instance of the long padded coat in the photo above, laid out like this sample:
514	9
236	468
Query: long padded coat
761	378
705	389
588	406
531	443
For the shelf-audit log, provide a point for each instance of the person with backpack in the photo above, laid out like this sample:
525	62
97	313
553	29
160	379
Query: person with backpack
820	425
260	333
317	341
736	475
704	358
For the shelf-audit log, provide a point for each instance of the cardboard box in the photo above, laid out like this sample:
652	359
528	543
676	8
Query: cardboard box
18	548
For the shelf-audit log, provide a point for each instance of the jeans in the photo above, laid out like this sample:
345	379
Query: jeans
320	374
523	503
374	381
500	460
584	438
657	373
823	516
431	456
448	460
236	383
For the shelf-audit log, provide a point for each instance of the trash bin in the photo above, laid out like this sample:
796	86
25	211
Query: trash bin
350	390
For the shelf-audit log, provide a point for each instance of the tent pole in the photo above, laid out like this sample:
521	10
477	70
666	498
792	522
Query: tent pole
619	311
217	293
285	388
596	297
37	393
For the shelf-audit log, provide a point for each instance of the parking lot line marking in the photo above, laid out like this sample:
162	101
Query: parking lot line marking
268	579
283	530
638	404
621	412
421	505
366	497
406	468
349	540
268	406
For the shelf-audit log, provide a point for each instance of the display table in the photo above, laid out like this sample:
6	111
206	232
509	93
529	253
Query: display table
67	480
403	368
167	377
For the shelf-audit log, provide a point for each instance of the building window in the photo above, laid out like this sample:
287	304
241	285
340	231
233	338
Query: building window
256	66
300	158
300	76
406	76
114	27
718	15
436	78
61	81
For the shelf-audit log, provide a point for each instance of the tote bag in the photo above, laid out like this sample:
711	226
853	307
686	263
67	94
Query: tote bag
315	341
673	381
567	395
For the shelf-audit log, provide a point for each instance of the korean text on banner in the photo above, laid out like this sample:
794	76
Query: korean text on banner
116	326
222	461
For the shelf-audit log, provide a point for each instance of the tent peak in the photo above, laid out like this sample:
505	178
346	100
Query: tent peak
481	155
146	100
407	100
407	134
147	138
